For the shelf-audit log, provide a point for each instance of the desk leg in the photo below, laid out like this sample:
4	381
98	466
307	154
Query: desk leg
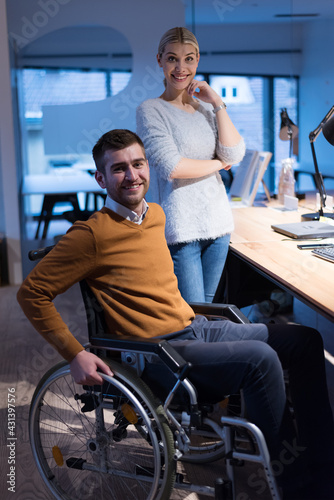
42	216
49	204
49	201
73	199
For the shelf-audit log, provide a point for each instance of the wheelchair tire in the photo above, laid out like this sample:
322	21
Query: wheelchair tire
112	443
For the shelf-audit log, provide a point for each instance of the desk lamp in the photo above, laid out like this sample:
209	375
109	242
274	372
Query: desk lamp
327	128
288	130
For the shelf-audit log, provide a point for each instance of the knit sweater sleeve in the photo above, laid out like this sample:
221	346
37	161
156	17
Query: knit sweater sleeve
69	262
155	131
231	155
155	127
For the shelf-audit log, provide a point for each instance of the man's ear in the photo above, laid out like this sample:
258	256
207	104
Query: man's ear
99	177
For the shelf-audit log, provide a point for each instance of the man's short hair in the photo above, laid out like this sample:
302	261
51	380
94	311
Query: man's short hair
114	140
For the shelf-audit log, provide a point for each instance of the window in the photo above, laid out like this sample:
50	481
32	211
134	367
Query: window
285	96
43	87
52	87
254	104
245	106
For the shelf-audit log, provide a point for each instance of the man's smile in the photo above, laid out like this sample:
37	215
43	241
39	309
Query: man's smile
133	186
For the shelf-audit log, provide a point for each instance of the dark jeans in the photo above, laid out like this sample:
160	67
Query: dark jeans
227	357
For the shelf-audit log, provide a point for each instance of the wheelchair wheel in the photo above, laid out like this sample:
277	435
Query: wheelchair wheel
111	441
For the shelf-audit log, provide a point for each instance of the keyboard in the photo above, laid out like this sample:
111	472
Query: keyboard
326	253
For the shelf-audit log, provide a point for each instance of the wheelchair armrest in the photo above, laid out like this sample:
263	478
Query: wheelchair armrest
152	345
39	253
229	311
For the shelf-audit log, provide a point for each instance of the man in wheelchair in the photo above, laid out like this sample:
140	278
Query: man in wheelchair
122	254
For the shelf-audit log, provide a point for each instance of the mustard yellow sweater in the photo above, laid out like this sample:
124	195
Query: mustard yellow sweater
129	269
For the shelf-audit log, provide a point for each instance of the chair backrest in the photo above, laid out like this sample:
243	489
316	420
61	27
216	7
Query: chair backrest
95	316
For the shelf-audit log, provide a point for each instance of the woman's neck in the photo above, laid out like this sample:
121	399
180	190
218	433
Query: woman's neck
181	98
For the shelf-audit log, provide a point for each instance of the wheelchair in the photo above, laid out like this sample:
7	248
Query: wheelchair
132	437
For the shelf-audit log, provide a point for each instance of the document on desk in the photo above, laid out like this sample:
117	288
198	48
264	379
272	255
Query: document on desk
243	176
248	177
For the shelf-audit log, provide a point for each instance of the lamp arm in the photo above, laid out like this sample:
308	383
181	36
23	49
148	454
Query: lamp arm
290	139
319	181
318	177
314	134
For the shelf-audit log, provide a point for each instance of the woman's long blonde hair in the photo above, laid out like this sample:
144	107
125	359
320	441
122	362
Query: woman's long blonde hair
177	35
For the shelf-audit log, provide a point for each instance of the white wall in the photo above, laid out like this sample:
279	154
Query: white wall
9	221
79	46
255	49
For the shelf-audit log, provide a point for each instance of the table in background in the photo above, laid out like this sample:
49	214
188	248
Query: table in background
276	257
59	189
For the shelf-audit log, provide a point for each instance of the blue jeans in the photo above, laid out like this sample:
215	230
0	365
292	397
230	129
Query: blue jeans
198	266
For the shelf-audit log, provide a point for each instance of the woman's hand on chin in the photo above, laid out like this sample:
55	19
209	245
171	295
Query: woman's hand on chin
202	90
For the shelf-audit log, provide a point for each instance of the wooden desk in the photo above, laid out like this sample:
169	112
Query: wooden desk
299	272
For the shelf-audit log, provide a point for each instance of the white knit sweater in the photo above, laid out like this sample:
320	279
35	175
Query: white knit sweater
198	208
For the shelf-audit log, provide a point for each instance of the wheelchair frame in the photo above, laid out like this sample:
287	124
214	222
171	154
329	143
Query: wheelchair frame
120	440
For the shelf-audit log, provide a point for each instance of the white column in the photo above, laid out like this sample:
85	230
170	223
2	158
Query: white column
8	176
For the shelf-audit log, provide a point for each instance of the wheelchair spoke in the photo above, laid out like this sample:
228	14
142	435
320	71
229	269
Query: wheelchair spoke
102	452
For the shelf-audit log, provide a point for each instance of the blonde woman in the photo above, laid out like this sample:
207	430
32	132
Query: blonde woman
189	137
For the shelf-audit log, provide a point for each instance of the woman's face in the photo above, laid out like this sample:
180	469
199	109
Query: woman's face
179	62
